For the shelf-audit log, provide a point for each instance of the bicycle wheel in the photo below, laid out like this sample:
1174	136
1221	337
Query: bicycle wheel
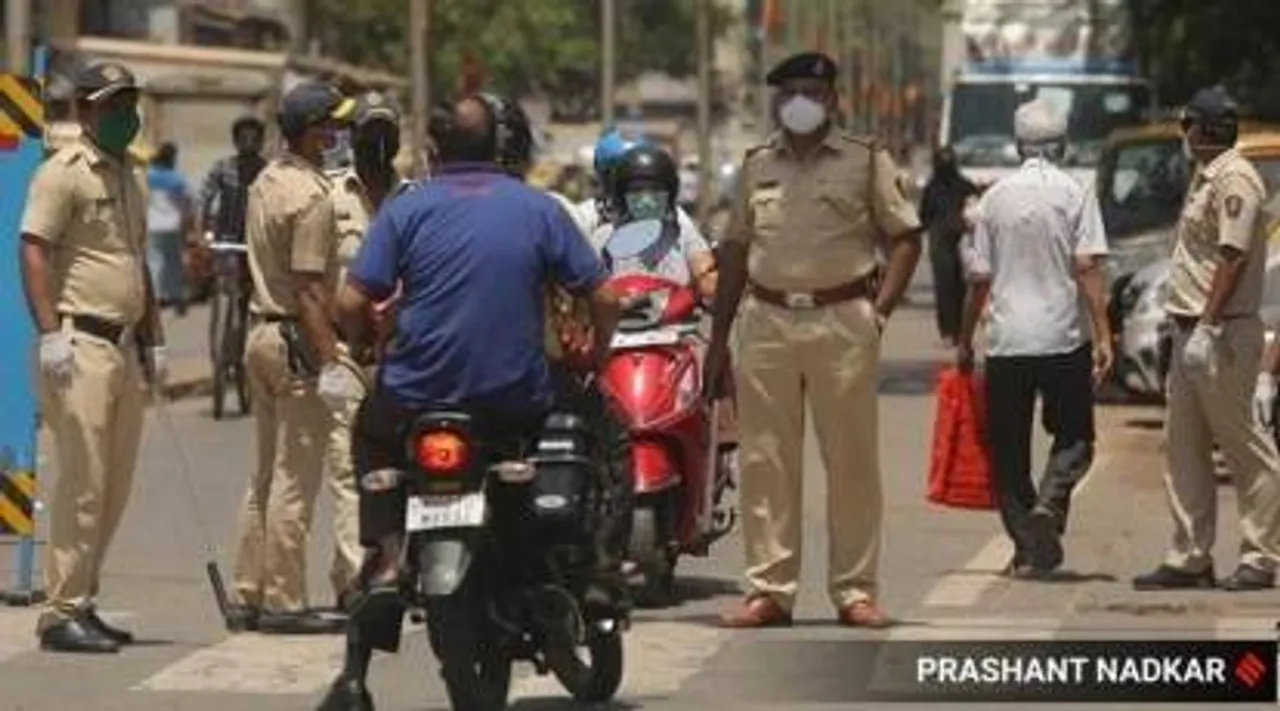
216	309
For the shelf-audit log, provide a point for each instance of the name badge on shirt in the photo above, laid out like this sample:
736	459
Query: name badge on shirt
766	205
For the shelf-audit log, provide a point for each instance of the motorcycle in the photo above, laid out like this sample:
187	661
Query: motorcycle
653	374
500	554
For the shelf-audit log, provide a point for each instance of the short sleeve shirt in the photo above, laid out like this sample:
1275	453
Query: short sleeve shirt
290	229
167	192
1222	209
89	208
474	251
1029	228
676	265
352	213
815	222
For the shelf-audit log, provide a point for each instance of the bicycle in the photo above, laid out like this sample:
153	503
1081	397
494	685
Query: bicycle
228	313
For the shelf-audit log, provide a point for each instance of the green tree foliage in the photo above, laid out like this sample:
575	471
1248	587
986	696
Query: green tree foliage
545	46
1189	44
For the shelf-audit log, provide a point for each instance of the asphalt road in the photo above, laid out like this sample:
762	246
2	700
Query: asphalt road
938	580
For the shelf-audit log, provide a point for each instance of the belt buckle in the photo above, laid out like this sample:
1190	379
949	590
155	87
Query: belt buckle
799	300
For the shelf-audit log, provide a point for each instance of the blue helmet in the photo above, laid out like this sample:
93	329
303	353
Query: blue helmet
610	149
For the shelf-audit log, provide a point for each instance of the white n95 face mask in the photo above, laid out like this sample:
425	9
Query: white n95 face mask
802	115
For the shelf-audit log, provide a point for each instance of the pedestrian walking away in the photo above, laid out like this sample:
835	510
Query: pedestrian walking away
1037	248
87	284
1213	299
358	193
170	216
292	241
815	205
942	214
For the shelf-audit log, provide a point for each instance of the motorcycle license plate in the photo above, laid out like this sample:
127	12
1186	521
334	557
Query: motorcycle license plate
661	337
430	513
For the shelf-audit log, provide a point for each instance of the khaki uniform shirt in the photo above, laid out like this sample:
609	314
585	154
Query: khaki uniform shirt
90	209
352	213
1223	208
815	223
289	228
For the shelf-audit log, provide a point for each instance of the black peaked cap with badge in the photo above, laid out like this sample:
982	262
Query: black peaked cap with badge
312	102
96	81
374	106
1212	104
806	65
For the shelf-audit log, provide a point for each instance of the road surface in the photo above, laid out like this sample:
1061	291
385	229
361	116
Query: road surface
938	580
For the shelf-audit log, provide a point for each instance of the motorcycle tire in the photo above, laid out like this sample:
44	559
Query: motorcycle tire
650	525
477	675
594	682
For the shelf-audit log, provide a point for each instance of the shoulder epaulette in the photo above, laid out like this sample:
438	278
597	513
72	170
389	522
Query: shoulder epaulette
869	142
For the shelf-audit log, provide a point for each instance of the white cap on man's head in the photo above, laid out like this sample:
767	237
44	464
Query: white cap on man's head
1038	121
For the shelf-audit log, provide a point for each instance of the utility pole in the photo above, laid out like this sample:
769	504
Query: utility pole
703	25
419	31
17	23
608	59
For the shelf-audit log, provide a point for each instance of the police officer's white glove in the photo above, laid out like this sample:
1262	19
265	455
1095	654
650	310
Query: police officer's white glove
158	365
1200	352
339	384
1264	400
57	356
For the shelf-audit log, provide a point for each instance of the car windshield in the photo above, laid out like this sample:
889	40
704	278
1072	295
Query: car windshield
1141	186
982	118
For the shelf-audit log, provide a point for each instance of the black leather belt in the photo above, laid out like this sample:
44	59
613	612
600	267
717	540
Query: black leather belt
99	327
857	289
273	318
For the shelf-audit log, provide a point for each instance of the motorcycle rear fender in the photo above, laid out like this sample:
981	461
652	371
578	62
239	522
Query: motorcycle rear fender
654	466
443	564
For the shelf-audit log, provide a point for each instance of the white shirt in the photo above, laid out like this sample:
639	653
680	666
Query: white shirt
1030	227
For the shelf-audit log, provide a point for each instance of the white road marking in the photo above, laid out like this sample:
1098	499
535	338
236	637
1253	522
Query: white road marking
18	629
254	664
963	588
1244	628
974	629
658	658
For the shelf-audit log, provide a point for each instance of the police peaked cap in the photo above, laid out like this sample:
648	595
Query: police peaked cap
806	65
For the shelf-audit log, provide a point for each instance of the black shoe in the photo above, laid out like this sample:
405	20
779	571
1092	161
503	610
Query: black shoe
1247	578
347	695
1046	543
242	618
115	634
300	623
77	636
1169	578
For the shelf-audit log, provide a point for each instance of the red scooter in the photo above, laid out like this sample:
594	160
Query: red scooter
654	376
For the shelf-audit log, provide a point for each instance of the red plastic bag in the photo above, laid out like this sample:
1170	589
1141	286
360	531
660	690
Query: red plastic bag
960	469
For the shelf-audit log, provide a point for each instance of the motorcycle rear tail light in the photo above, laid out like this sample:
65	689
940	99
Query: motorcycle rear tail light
442	453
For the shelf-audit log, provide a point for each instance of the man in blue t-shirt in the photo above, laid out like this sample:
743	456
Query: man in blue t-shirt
169	216
473	250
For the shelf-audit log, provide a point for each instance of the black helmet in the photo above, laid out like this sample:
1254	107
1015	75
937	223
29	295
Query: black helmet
644	163
512	135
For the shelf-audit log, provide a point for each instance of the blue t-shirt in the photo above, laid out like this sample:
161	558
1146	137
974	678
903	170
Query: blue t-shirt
474	250
166	190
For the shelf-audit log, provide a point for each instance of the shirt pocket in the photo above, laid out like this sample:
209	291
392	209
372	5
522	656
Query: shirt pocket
837	203
766	210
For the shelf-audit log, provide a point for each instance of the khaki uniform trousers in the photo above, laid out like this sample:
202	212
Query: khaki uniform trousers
96	424
1204	410
293	426
831	354
348	554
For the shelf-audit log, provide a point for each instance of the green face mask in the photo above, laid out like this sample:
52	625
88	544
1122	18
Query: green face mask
117	130
646	204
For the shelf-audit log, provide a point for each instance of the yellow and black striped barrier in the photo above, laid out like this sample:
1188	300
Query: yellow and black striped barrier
21	107
17	499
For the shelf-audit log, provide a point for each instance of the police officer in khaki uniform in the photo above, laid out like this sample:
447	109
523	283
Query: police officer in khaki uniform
1215	290
357	194
84	270
814	205
292	241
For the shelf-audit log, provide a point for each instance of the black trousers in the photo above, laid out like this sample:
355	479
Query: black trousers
948	282
1064	382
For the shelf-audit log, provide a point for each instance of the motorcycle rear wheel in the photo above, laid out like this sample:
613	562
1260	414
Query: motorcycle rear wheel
590	682
476	673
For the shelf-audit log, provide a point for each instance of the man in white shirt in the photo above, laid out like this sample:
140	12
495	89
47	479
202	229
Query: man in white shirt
1035	254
